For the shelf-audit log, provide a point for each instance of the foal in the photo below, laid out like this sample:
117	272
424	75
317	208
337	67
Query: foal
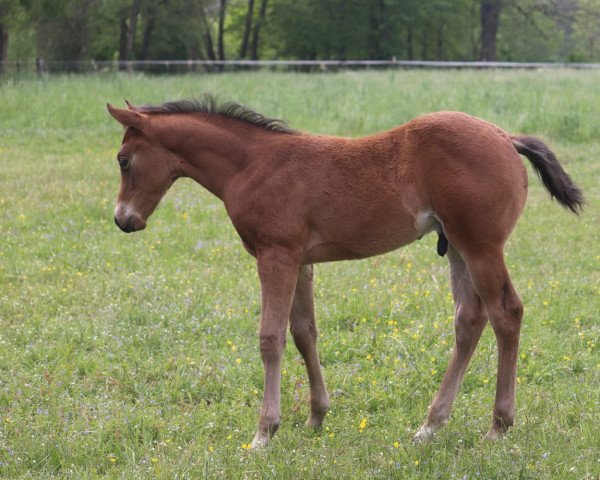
297	199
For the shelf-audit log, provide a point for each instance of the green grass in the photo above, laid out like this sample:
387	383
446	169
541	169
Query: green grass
136	356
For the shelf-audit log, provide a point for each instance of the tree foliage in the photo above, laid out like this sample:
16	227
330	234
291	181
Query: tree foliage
542	30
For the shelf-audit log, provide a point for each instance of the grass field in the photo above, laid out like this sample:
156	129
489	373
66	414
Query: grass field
136	356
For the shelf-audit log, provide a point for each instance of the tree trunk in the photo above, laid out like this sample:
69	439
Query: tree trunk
207	38
440	43
123	41
135	11
40	47
210	51
409	44
256	30
490	20
379	32
247	28
220	44
3	47
148	29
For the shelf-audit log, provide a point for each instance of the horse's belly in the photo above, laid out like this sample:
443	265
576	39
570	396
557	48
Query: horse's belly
372	239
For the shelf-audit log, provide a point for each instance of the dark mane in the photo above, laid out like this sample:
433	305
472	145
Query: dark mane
211	105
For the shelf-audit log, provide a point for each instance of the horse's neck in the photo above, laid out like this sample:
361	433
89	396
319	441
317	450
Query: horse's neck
213	153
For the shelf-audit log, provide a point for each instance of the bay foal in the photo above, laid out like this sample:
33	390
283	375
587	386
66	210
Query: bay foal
297	199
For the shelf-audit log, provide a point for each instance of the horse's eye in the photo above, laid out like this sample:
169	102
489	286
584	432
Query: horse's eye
123	162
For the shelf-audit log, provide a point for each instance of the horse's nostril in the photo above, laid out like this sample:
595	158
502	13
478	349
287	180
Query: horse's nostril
133	223
128	227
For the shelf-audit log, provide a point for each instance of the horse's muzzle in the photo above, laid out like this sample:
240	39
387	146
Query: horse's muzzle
132	224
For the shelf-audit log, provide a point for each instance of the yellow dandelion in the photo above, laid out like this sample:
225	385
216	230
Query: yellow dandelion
238	360
154	460
396	444
363	424
416	463
246	446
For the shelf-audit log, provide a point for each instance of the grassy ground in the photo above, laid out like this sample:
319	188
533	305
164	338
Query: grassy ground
136	356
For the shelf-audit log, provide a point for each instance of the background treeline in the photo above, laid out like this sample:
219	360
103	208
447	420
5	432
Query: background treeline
516	30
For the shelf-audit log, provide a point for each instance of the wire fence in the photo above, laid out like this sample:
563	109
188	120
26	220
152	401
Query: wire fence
182	66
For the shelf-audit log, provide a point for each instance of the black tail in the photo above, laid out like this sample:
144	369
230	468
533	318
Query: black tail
550	171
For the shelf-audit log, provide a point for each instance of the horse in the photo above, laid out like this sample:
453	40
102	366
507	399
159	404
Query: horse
297	199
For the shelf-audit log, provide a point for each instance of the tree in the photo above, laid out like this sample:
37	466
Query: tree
131	29
490	21
247	28
220	42
256	30
207	36
519	30
3	37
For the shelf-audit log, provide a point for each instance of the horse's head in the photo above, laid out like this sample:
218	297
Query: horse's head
147	169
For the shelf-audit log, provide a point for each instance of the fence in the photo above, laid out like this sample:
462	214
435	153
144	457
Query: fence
175	66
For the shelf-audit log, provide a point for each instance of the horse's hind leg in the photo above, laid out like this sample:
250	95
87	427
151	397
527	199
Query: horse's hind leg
505	312
469	321
304	332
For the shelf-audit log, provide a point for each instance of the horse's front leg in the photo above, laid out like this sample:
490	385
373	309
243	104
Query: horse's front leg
278	272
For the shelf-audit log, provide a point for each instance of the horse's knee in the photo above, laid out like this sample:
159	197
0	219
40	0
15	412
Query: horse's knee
271	345
304	333
303	328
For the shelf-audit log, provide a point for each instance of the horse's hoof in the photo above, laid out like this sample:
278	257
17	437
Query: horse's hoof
314	422
424	435
259	442
494	435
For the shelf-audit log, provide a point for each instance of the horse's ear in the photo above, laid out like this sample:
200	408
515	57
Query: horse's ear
131	106
127	118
